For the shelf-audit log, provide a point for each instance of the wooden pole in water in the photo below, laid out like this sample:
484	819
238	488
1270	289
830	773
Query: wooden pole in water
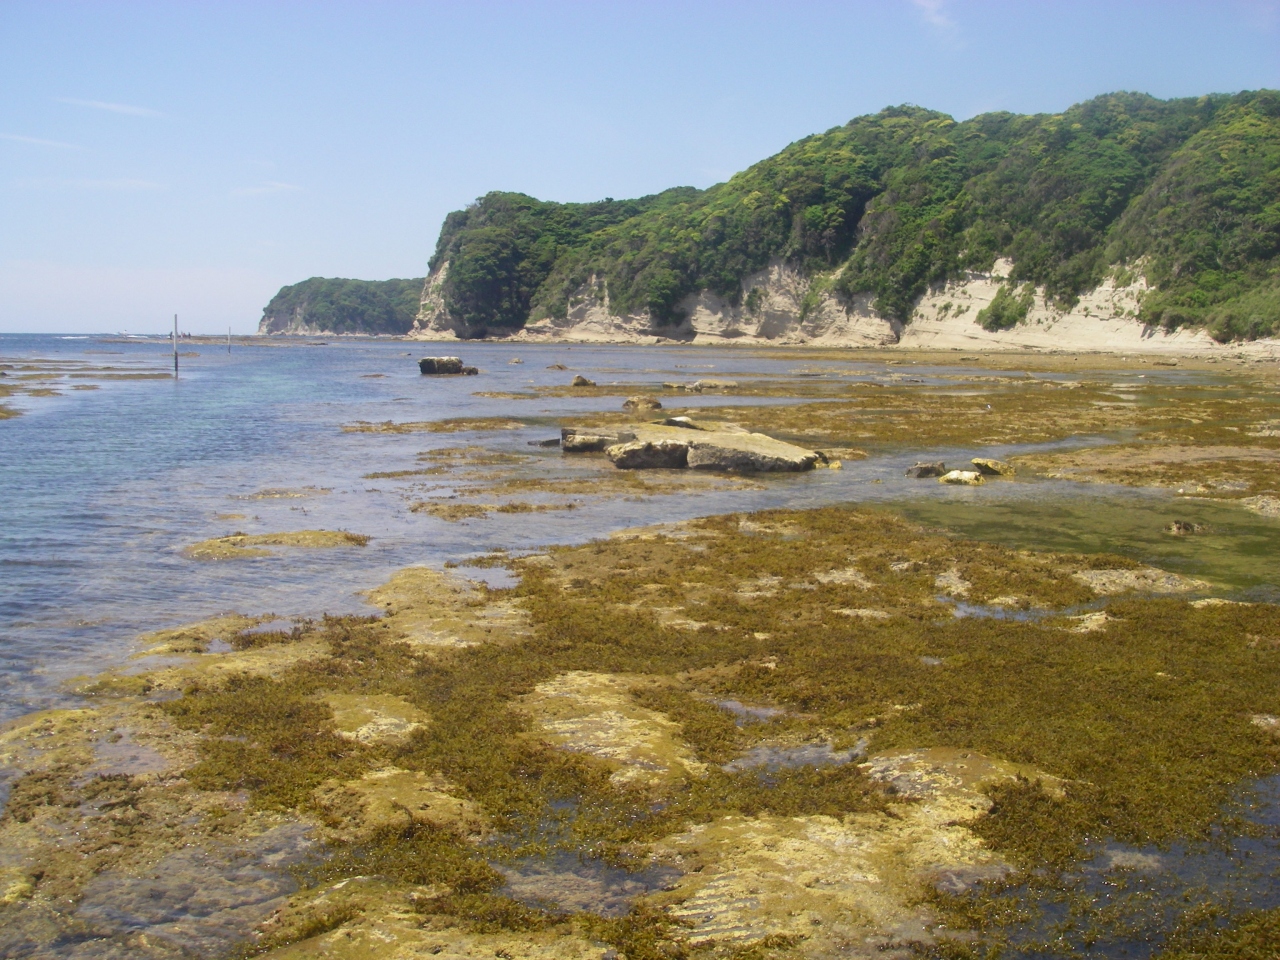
175	346
228	341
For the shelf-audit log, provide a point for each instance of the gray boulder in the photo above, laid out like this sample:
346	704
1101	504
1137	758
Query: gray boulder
581	381
921	470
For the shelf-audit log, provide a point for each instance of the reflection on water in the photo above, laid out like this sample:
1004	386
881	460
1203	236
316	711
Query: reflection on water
570	883
195	902
774	757
1124	901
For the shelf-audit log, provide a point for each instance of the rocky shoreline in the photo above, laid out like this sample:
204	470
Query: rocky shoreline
791	733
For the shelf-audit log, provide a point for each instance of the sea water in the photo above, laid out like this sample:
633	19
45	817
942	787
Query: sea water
101	490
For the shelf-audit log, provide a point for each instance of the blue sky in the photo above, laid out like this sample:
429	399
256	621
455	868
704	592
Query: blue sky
193	157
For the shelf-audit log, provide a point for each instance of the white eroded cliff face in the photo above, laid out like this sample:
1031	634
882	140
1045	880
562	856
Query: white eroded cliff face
1105	318
780	305
293	323
433	321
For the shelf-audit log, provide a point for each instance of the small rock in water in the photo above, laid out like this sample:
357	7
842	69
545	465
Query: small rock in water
557	366
1180	528
923	469
581	381
515	360
553	442
968	478
641	403
992	468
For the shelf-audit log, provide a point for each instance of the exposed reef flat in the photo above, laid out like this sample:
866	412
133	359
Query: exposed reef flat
243	545
762	732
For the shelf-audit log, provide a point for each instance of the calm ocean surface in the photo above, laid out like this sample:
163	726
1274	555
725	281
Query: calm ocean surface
102	489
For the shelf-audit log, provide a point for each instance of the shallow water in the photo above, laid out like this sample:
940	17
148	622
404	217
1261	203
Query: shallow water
1134	896
103	489
567	882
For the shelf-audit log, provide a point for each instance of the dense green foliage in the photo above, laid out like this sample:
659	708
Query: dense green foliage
501	249
343	306
1007	309
890	203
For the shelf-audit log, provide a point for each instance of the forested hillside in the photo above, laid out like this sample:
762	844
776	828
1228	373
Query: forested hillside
1186	191
322	305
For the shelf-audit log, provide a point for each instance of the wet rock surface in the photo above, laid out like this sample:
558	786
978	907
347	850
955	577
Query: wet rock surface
674	445
925	470
445	366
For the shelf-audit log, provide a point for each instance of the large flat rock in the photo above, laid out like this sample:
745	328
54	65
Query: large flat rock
659	445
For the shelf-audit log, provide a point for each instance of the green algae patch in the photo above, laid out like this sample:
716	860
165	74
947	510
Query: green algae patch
262	735
196	637
1146	722
243	545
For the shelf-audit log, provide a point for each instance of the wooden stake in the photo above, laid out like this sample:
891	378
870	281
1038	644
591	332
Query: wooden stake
228	341
175	346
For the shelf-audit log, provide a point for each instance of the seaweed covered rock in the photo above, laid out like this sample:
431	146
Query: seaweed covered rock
992	468
641	403
439	366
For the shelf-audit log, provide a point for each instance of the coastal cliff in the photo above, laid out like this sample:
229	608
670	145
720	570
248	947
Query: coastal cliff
1125	222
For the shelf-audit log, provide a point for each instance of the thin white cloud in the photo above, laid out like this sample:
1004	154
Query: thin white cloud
39	141
121	185
112	107
934	13
270	186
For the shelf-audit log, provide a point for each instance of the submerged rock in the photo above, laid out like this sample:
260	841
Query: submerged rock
924	469
445	366
1180	528
992	468
970	478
